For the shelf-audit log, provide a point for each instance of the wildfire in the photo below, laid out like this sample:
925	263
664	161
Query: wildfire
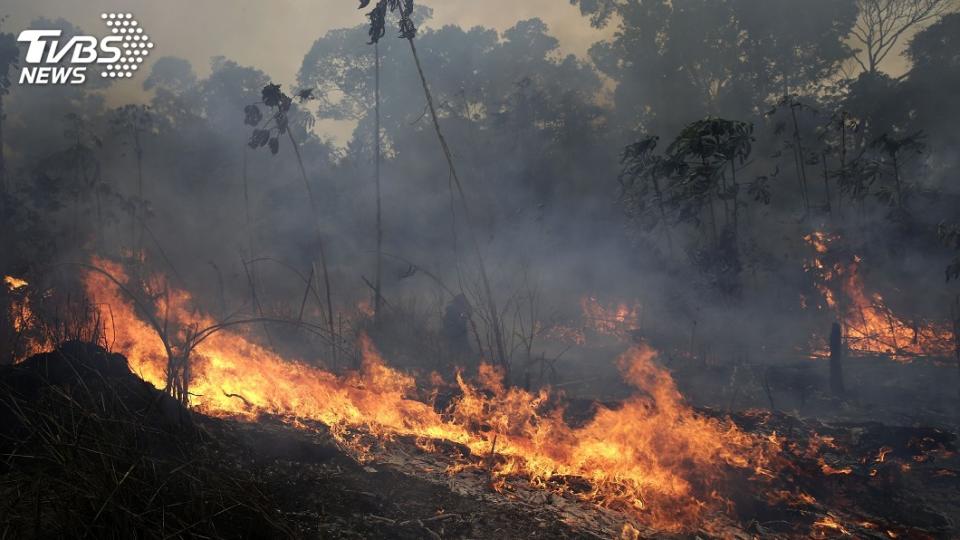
653	457
616	319
870	326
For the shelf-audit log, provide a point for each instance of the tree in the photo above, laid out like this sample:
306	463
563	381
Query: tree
893	152
929	91
377	144
881	23
695	175
675	61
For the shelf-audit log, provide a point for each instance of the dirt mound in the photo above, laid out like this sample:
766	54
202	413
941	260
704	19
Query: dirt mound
91	450
81	372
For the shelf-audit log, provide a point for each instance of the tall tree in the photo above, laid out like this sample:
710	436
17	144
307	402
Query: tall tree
377	282
881	23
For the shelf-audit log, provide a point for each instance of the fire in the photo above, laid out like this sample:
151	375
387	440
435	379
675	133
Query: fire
567	334
654	457
828	523
629	532
828	469
616	319
870	326
29	340
14	283
365	309
20	313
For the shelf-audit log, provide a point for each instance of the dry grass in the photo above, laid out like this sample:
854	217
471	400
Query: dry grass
89	450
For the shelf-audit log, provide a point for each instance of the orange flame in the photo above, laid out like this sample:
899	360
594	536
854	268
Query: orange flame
14	283
653	457
828	523
29	340
870	326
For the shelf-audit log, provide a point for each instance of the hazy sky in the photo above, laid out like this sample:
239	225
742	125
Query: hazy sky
273	35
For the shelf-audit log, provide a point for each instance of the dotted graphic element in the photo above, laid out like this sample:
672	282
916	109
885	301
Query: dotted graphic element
135	45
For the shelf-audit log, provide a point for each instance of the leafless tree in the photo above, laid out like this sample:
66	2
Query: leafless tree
377	298
882	23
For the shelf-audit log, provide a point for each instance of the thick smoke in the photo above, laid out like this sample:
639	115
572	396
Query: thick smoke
537	139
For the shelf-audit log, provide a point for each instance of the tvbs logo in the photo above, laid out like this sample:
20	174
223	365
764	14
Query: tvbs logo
52	60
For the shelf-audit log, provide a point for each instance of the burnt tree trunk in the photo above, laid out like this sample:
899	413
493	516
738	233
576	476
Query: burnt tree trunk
836	360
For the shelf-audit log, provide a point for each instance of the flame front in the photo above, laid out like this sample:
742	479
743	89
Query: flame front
653	457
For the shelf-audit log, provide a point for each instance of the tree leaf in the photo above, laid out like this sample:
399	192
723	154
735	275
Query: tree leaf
253	115
259	138
271	95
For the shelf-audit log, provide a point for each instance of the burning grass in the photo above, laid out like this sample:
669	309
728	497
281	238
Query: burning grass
653	456
650	461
